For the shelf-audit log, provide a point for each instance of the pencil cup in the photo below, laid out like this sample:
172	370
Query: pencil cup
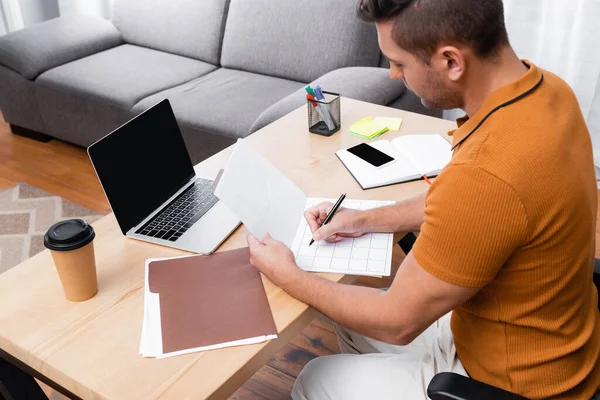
71	245
324	115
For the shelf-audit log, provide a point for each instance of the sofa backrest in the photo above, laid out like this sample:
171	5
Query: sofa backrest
297	39
191	28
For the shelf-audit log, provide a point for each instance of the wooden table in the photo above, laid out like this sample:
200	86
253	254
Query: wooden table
90	349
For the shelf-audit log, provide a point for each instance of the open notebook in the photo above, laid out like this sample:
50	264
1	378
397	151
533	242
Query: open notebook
265	200
414	155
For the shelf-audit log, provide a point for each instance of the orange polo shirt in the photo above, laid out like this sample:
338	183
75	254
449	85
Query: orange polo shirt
515	214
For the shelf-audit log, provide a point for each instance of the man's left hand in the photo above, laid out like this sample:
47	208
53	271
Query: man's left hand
273	258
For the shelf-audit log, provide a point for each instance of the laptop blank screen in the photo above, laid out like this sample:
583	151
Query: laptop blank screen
141	164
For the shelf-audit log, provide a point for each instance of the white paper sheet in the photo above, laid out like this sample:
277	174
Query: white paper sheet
263	198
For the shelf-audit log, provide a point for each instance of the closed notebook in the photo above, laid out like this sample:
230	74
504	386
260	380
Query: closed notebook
414	156
210	300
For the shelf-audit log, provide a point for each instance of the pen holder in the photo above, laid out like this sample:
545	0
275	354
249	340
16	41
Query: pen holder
324	115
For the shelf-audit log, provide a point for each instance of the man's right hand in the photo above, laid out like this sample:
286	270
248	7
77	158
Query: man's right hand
345	223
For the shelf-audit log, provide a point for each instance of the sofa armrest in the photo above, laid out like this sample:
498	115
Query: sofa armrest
37	49
451	386
368	84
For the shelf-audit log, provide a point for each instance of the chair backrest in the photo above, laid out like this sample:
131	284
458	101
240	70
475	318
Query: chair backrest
189	28
597	282
297	40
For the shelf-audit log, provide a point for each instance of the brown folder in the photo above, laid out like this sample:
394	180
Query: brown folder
208	300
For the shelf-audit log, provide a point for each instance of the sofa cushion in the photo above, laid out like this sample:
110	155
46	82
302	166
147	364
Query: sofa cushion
224	102
297	40
188	28
124	75
368	84
52	43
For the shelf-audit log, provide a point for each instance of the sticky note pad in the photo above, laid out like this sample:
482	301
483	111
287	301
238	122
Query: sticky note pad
368	128
393	124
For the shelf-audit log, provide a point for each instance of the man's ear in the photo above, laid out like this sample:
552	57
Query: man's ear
451	61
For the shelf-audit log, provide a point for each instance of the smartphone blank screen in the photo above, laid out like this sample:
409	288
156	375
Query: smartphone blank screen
370	154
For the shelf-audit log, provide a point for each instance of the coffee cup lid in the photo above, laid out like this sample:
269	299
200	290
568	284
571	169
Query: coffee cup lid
69	235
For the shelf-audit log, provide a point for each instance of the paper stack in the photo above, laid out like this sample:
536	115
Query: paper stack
201	303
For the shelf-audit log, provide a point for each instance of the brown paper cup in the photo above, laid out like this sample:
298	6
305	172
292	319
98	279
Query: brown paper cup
71	243
77	272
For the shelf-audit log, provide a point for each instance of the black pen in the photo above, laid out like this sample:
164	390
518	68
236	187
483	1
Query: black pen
330	215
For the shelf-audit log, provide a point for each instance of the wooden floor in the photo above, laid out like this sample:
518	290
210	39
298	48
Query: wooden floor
56	167
65	170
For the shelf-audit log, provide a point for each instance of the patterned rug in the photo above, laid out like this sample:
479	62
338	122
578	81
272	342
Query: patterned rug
26	213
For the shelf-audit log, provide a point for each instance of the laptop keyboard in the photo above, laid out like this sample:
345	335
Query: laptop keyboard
179	216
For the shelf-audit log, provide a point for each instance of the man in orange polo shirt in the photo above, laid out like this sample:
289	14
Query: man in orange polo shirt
507	230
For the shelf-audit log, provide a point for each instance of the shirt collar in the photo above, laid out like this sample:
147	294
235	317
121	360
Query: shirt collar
504	94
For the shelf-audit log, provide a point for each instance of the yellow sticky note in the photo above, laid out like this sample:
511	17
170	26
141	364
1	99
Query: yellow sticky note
368	127
393	124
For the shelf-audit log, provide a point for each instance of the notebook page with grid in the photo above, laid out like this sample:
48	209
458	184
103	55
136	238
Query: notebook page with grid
369	255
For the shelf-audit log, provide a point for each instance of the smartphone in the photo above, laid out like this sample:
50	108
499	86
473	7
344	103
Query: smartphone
371	155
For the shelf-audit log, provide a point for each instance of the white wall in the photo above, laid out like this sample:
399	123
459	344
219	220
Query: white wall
10	16
36	11
3	23
101	8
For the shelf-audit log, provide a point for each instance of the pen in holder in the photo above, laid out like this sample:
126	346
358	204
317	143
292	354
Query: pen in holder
324	115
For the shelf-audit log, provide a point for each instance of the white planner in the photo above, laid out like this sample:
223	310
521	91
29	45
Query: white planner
370	254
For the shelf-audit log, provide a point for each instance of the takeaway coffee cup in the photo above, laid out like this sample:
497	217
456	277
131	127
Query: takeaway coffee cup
72	247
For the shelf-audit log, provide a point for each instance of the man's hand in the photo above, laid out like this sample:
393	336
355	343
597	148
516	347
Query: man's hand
274	259
345	223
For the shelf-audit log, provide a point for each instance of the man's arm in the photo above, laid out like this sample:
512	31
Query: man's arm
415	300
464	240
405	216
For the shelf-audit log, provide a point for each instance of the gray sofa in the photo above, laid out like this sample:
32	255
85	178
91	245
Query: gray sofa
228	67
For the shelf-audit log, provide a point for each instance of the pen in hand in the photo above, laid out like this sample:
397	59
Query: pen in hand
330	215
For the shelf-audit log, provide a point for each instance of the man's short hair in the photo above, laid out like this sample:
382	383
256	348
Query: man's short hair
420	26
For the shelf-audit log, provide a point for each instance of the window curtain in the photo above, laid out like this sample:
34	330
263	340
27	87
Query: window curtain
10	16
101	8
594	126
562	37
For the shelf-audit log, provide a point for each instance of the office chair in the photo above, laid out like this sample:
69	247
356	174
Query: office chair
451	386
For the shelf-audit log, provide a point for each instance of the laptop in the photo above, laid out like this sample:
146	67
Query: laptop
149	180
